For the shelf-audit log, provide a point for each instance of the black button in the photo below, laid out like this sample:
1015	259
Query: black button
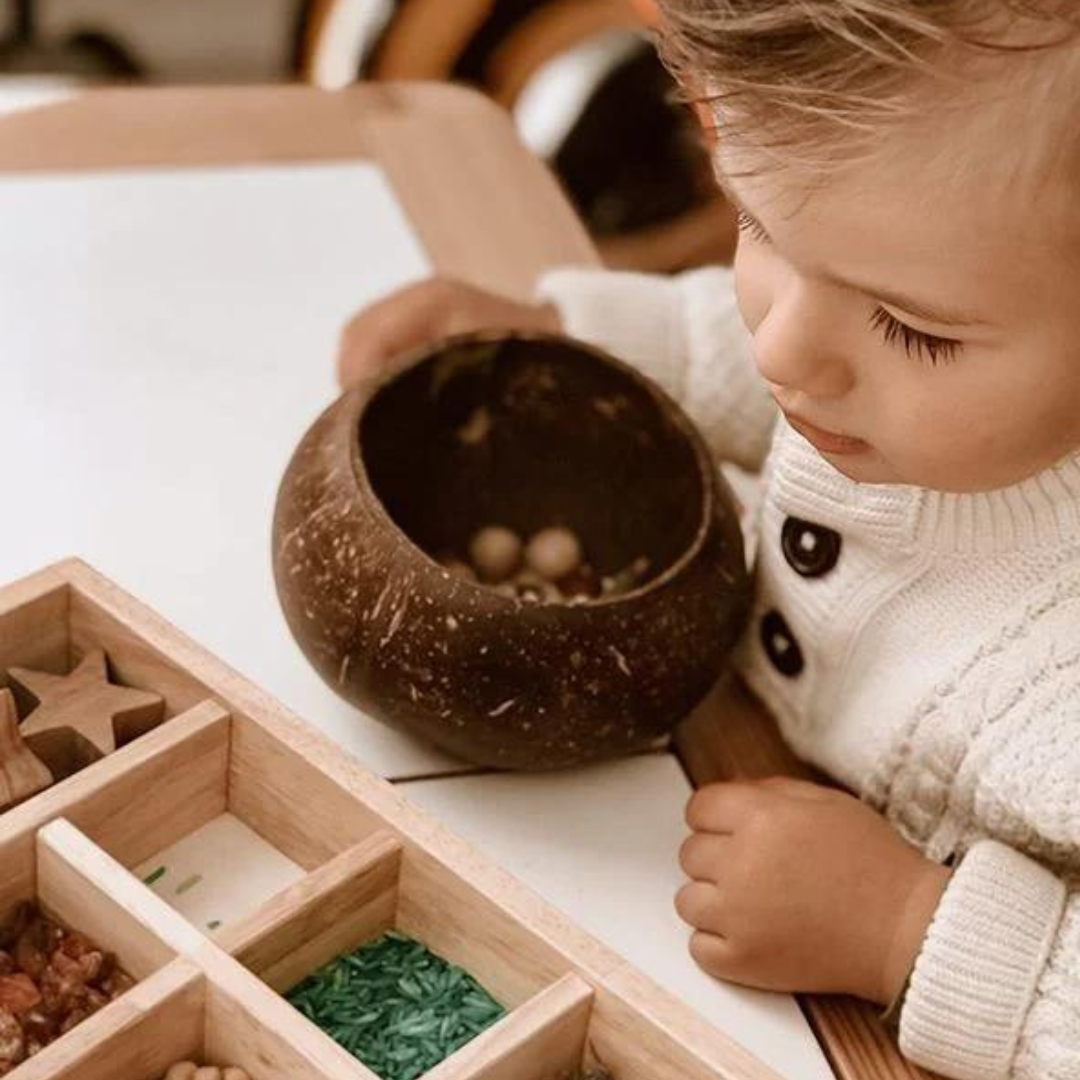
811	550
780	644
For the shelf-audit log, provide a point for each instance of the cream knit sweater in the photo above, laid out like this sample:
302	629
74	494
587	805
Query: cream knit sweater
924	649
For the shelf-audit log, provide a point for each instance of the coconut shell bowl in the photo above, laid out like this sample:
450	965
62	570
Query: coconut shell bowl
413	522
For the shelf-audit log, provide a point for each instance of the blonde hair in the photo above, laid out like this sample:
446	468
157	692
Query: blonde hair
818	73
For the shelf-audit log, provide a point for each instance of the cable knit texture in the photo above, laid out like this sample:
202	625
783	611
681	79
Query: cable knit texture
933	667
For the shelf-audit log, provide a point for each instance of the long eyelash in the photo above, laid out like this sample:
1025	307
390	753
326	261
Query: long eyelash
934	350
748	225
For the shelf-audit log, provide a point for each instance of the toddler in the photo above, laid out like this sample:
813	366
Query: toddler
898	351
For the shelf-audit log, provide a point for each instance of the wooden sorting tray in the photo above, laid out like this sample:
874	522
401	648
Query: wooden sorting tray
336	855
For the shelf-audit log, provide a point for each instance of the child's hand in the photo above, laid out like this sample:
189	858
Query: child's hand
377	338
798	887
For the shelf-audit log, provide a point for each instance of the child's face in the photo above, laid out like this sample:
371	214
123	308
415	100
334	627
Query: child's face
925	303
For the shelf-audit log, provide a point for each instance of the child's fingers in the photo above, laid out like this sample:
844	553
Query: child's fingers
697	905
719	808
390	329
703	855
379	341
713	953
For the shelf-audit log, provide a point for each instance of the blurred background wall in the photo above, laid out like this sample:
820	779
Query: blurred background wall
579	77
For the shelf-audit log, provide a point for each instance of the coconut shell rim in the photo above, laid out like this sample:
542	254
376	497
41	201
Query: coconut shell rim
709	485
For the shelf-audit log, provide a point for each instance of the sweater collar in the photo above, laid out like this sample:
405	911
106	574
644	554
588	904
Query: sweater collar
1044	509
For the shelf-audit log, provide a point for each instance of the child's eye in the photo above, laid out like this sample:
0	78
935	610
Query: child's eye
751	226
928	347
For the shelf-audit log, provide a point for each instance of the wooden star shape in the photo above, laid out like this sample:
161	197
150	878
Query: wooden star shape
22	774
81	717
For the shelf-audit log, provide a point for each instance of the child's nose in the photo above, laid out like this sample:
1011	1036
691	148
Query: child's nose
794	348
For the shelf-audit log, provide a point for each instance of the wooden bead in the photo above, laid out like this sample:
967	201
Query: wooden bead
554	553
495	552
182	1070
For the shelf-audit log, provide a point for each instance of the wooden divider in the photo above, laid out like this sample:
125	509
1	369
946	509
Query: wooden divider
89	890
253	1026
544	1039
337	907
136	1037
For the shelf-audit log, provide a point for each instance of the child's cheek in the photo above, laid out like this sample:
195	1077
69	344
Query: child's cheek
752	289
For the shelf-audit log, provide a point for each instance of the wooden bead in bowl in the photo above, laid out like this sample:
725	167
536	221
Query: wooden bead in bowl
495	552
553	553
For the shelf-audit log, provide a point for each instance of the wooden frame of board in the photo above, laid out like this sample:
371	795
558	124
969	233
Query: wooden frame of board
465	181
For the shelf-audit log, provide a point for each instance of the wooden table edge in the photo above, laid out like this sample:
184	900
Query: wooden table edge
440	147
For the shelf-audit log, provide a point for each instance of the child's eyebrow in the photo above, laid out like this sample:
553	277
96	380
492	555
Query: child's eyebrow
921	310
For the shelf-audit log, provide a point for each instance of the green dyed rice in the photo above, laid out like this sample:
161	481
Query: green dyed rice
396	1006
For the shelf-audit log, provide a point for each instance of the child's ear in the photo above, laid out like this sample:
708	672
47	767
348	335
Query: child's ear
707	121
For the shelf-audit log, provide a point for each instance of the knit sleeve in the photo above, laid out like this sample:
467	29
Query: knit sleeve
995	994
996	988
684	332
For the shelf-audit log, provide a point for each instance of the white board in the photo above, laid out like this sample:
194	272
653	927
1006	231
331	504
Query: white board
166	337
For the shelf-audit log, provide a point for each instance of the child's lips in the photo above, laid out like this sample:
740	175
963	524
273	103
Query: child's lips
828	442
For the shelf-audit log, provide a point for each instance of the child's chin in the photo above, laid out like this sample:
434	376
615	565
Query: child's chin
866	468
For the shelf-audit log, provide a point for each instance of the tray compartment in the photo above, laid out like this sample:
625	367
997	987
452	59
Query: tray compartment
383	884
137	1037
256	840
74	883
43	628
164	806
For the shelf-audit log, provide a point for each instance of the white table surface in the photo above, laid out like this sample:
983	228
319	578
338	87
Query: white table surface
165	340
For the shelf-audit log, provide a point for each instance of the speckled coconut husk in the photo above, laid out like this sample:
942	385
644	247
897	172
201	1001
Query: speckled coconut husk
528	432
